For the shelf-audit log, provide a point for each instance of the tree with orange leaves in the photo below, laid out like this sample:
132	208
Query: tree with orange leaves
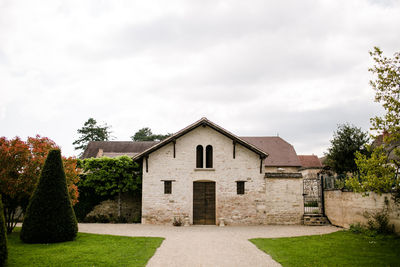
20	166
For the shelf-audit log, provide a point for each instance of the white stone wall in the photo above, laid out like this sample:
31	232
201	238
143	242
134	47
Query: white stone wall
284	201
257	206
310	173
345	208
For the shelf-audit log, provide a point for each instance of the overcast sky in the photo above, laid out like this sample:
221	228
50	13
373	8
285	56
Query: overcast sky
256	68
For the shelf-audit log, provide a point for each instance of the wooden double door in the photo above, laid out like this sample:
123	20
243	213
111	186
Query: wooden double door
204	203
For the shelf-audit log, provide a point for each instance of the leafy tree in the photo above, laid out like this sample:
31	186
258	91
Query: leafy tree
111	176
14	183
374	173
3	237
387	92
50	217
145	134
347	140
380	172
20	166
91	132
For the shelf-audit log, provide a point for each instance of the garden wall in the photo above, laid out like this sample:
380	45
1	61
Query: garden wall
345	208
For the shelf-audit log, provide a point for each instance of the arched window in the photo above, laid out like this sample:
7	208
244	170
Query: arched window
209	156
199	156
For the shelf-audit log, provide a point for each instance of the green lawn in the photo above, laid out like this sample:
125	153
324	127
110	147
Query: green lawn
342	248
86	250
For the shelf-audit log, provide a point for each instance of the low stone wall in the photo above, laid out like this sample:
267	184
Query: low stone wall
284	201
345	208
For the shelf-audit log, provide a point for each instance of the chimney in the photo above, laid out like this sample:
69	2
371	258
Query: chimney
100	153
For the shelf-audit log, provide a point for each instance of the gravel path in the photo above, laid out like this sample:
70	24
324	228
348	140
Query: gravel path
207	245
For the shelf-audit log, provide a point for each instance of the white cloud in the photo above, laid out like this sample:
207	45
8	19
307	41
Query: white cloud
297	68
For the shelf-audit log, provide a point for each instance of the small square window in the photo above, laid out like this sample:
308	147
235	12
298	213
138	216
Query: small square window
167	187
240	187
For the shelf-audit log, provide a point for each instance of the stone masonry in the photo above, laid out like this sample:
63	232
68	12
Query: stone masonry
266	200
346	208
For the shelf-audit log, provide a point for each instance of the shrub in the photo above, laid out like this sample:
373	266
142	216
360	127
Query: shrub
88	199
50	217
311	204
97	219
357	228
101	218
3	237
177	221
377	224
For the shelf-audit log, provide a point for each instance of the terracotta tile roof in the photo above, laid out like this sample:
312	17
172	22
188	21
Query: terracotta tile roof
310	161
281	153
116	147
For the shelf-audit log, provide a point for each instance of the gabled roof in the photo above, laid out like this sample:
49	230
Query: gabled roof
117	147
202	122
310	161
281	153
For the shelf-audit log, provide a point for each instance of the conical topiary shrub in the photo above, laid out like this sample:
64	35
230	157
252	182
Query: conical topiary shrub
3	237
49	217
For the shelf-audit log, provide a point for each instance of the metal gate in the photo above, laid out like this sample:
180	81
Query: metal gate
313	198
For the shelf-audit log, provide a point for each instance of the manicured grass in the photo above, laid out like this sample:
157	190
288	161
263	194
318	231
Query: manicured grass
86	250
342	248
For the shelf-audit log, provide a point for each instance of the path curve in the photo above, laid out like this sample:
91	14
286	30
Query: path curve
197	246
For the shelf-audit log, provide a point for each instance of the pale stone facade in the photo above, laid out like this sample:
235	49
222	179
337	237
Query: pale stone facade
345	208
310	173
266	200
268	166
284	201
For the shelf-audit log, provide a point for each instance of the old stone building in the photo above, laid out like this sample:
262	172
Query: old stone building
204	174
311	166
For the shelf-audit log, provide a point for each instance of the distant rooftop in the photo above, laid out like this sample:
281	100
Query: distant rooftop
116	148
310	161
281	153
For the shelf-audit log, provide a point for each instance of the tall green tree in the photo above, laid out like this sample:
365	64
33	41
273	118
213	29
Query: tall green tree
387	92
50	217
111	176
91	132
145	134
347	140
380	172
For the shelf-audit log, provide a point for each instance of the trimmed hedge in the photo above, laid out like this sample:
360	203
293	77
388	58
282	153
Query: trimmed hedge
3	237
50	217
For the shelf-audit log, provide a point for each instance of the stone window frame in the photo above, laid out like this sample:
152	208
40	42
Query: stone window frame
240	187
199	157
209	157
204	158
168	186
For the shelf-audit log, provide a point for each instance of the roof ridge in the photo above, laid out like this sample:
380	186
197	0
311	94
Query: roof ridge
119	141
261	136
202	121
